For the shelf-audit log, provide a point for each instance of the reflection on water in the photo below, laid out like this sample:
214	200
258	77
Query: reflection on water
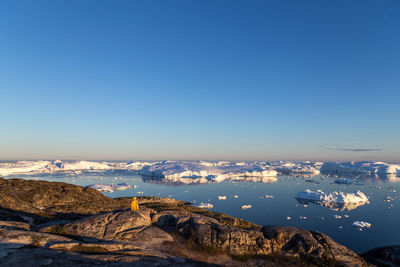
370	178
303	175
203	180
333	205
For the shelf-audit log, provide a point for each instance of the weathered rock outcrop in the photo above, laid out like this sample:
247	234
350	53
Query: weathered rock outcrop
229	239
99	230
41	201
293	241
110	225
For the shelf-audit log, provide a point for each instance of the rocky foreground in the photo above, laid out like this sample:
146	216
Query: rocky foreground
59	224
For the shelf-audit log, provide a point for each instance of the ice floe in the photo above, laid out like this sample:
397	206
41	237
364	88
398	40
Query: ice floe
110	187
361	224
221	197
245	207
102	187
122	186
266	196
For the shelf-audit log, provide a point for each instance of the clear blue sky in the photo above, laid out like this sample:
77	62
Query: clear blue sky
200	79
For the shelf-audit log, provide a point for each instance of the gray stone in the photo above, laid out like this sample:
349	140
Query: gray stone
110	225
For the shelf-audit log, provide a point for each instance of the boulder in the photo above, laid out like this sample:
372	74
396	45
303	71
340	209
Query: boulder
118	225
296	242
211	234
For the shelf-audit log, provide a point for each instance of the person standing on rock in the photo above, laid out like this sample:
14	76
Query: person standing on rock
134	204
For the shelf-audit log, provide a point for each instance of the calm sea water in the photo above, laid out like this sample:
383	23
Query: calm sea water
384	216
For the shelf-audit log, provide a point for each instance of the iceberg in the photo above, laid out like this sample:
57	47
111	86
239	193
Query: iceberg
136	165
24	167
361	167
122	186
266	196
205	205
211	171
109	187
361	224
178	171
85	165
73	167
42	166
102	187
306	168
334	200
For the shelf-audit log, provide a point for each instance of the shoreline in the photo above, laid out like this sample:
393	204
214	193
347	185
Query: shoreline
84	221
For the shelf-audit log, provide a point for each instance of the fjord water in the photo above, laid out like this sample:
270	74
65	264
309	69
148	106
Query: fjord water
383	215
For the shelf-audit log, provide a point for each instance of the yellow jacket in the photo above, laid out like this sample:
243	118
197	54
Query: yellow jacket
134	204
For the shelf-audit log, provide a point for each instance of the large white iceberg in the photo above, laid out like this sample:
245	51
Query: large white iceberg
334	200
361	167
180	171
85	165
306	167
23	167
136	165
42	166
